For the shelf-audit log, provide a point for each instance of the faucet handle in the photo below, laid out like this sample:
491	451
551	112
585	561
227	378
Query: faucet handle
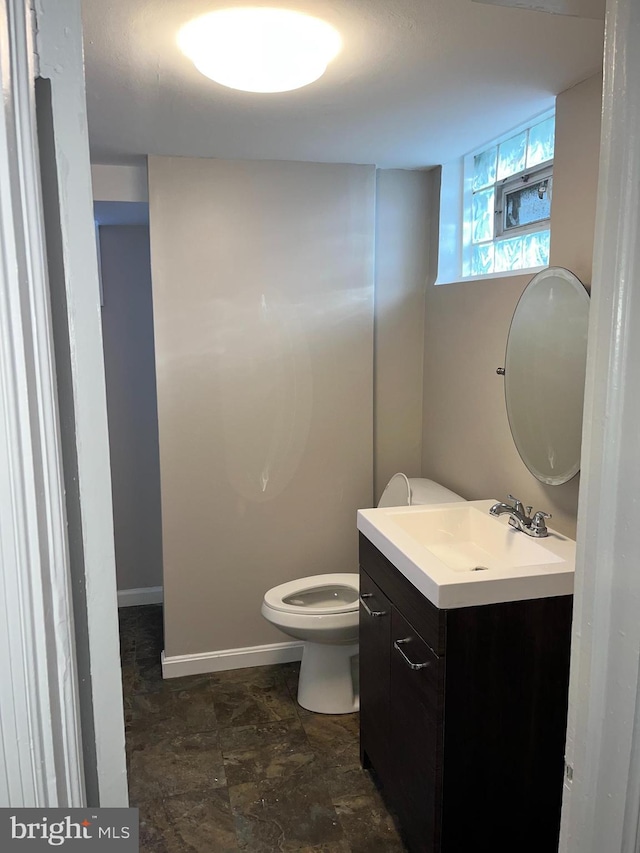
539	516
538	524
517	504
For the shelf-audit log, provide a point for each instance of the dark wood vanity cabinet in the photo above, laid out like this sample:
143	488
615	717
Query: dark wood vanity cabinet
463	714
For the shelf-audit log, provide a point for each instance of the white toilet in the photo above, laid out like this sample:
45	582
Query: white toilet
323	610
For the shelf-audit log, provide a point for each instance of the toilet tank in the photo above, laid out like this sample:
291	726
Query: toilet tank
407	491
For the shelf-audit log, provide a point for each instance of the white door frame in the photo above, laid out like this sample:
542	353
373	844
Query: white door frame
61	714
40	739
82	393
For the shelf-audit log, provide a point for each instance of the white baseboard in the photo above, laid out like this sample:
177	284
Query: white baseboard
144	595
197	664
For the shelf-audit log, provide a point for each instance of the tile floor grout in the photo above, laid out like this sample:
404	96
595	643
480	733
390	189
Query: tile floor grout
230	762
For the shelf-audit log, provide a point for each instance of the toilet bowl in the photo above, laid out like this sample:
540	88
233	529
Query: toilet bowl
323	611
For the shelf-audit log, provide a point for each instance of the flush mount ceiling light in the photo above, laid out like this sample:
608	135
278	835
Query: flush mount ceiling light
260	49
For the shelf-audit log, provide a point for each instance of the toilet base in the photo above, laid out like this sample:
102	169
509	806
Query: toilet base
327	684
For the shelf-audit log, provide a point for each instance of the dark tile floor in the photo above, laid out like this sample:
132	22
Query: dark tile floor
230	762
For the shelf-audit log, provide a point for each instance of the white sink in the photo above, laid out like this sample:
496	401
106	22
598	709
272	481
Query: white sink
467	539
458	555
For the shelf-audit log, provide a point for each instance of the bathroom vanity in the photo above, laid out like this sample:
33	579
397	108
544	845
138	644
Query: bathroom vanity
464	705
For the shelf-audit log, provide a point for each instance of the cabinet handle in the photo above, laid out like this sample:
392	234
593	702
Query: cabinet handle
397	646
367	608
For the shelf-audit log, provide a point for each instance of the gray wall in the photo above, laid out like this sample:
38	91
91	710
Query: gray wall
405	202
467	445
127	330
263	306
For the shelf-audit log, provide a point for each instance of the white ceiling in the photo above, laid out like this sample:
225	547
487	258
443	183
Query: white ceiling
418	82
580	8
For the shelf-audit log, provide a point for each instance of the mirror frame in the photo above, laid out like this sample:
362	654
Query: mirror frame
574	281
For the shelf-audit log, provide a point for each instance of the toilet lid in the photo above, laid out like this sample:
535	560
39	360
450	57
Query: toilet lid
404	491
397	492
427	492
316	595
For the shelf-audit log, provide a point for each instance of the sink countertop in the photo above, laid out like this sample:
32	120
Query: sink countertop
437	547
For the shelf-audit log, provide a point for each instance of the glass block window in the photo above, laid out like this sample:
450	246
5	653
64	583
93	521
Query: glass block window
511	190
512	156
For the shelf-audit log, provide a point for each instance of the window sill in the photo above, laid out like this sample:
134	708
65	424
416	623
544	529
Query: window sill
490	276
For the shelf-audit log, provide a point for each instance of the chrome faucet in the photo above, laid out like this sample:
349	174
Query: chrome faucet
520	517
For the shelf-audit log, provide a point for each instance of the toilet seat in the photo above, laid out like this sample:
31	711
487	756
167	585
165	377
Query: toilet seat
317	595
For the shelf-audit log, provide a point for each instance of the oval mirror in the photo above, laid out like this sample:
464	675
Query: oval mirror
544	374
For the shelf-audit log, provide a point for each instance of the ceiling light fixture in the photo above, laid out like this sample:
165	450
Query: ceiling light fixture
260	49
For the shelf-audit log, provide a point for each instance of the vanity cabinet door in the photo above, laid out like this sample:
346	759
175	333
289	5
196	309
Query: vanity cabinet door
416	735
375	643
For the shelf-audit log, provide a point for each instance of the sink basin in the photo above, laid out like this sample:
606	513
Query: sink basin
466	539
458	555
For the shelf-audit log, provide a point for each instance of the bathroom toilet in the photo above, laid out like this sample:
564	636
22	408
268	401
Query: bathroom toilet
323	611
